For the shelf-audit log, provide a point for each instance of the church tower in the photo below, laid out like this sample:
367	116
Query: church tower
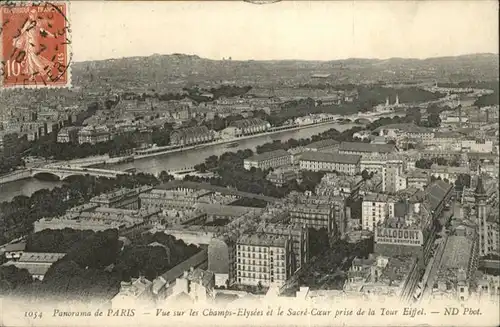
397	100
481	214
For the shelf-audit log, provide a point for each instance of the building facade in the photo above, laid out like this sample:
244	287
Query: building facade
417	179
299	235
321	161
480	197
329	145
263	260
364	149
249	126
9	143
393	179
68	135
266	160
94	134
282	176
222	260
123	198
413	227
191	135
313	211
375	208
381	277
314	216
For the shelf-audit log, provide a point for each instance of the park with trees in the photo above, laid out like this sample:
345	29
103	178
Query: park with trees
95	263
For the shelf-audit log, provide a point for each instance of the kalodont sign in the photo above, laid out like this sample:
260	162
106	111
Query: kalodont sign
399	236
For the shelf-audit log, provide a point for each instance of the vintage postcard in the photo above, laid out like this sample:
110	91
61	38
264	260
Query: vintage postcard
249	163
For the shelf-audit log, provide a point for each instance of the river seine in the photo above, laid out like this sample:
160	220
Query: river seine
172	161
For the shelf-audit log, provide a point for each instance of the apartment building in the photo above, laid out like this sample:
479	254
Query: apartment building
249	126
315	216
299	235
488	287
340	185
493	233
184	198
99	219
364	149
412	228
321	161
376	207
68	134
263	260
447	140
197	283
94	134
328	145
381	277
283	175
191	135
8	143
123	198
328	212
417	179
486	216
449	173
376	163
222	260
477	145
266	160
410	132
393	179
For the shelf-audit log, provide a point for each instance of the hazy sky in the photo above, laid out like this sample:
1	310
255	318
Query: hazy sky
285	30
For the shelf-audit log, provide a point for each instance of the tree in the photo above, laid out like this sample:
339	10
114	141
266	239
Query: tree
434	120
463	180
319	241
18	215
423	163
440	161
365	174
310	179
202	168
165	177
12	278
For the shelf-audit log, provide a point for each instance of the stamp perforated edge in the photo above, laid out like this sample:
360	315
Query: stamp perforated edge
69	49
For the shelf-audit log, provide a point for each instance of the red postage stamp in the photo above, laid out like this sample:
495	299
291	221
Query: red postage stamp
35	43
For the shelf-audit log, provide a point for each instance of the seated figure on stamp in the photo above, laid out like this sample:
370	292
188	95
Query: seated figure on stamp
28	44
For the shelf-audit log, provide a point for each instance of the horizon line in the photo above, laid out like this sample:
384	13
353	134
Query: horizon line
304	60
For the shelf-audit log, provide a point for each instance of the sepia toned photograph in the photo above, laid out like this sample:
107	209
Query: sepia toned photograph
249	163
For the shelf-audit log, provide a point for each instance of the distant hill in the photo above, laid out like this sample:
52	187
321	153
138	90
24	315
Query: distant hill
175	70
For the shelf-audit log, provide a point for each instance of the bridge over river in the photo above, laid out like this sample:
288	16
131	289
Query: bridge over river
63	172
